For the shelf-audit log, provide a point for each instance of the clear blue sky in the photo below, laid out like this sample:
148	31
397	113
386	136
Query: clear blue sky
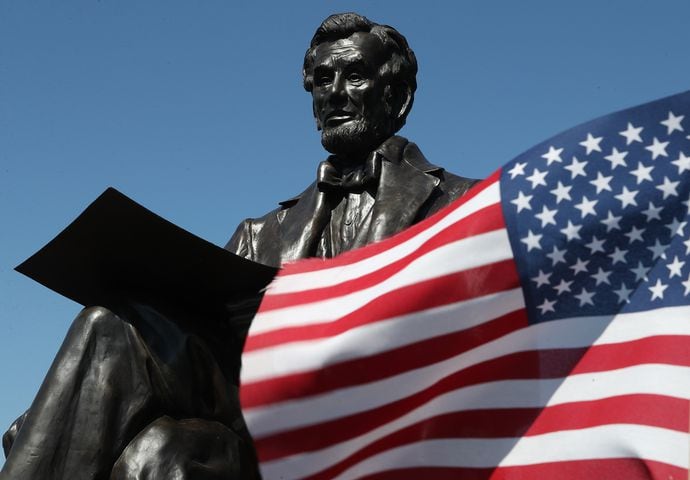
196	110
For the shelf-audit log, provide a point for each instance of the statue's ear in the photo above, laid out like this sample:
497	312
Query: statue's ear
399	97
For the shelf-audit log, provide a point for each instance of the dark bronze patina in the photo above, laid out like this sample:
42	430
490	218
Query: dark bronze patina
144	391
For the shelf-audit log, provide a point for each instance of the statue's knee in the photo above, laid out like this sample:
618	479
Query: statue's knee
191	449
96	320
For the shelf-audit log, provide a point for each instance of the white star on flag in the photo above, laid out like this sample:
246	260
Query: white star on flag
675	267
518	169
592	143
557	256
586	207
562	287
612	222
547	306
623	294
640	272
616	158
585	297
537	177
682	162
571	231
658	250
579	266
522	202
553	155
596	245
602	276
677	227
626	197
632	134
668	188
561	192
658	290
542	278
532	241
653	212
602	182
672	123
576	168
657	148
617	255
642	173
635	234
547	216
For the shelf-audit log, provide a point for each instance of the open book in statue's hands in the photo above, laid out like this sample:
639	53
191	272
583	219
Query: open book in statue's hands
118	250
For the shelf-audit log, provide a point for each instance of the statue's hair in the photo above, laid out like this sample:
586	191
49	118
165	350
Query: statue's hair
400	67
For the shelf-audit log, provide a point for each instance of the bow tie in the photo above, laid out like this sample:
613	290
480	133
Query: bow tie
331	179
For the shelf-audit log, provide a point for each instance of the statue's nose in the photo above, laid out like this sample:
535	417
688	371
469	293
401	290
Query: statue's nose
337	93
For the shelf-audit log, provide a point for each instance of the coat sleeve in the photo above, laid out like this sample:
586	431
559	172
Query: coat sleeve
258	239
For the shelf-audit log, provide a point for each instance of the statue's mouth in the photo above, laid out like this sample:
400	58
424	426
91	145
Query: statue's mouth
338	117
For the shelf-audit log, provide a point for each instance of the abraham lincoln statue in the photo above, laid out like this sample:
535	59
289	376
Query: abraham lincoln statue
133	394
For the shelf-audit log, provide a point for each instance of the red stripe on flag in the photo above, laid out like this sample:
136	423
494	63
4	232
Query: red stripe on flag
662	349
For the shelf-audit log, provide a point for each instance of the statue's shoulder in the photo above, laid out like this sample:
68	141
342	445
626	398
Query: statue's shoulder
450	186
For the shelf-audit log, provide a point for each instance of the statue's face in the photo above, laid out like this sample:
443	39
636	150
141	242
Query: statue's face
348	94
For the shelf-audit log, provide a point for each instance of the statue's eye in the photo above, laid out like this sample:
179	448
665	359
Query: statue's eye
323	80
355	77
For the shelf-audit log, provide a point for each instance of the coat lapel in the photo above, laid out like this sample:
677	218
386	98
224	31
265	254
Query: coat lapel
402	191
405	184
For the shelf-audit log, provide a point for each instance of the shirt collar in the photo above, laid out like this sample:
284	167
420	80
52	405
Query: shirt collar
391	151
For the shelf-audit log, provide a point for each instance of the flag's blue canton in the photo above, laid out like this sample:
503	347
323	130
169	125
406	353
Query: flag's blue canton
598	216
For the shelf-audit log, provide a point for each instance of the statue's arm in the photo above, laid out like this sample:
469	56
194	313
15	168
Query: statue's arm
258	239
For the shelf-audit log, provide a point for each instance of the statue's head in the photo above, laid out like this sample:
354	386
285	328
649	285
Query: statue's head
362	77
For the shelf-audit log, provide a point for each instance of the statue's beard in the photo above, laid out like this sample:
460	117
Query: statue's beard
355	137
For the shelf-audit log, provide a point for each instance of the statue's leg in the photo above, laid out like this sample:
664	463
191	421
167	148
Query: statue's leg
96	396
112	377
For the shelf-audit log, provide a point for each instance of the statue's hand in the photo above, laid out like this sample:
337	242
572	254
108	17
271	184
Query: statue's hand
11	434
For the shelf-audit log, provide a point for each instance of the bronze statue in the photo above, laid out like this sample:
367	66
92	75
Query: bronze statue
133	394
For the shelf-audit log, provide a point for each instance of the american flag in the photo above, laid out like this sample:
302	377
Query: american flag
537	328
